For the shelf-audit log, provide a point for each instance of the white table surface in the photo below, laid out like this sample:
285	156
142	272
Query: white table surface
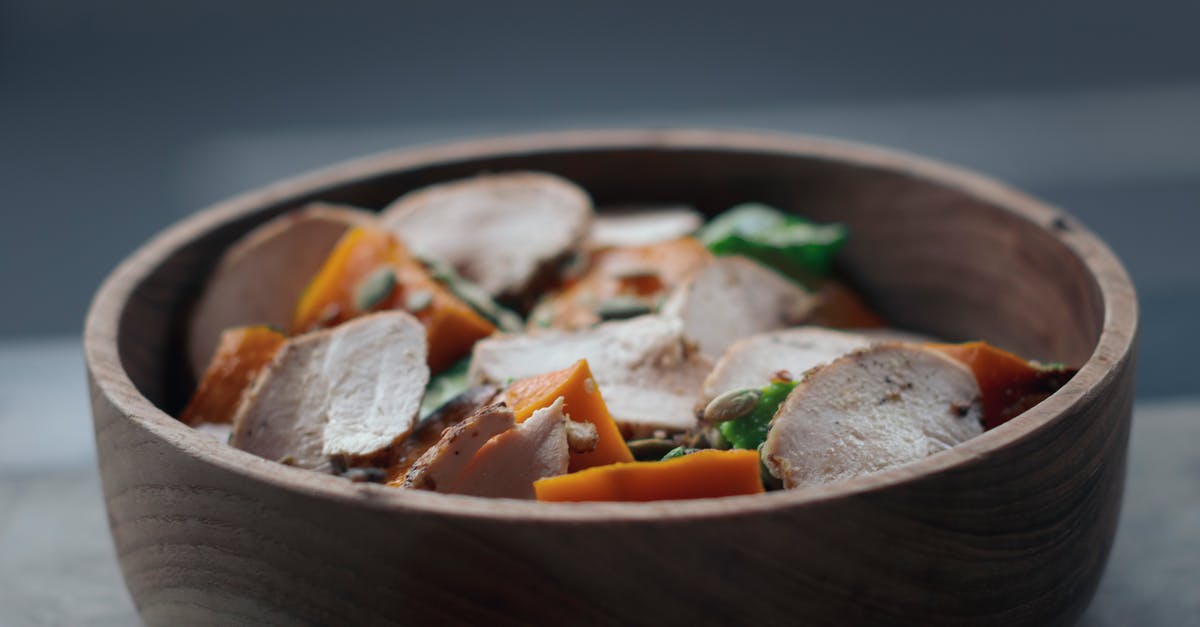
57	565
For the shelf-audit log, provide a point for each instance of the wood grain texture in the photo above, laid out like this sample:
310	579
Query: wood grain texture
1010	528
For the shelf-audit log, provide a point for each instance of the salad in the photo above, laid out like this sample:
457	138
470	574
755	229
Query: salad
496	336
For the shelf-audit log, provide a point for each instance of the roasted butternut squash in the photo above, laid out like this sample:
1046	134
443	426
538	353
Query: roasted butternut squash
241	354
633	272
703	474
370	270
582	402
1008	384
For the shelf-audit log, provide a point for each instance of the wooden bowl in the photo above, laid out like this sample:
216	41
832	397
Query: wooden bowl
1012	527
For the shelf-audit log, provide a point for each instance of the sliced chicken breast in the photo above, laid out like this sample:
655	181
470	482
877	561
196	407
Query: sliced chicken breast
754	361
506	232
649	376
886	334
350	391
734	297
429	431
508	464
642	225
879	407
261	277
440	468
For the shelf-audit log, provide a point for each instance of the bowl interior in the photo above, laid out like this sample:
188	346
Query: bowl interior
931	254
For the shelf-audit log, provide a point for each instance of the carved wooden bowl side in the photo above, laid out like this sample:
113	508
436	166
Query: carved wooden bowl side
1013	527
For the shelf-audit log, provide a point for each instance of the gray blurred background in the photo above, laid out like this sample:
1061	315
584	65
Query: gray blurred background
119	118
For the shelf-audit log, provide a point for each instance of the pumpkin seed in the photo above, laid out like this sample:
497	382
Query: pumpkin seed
621	307
474	296
418	301
508	320
732	405
287	460
328	314
372	290
543	317
439	270
366	475
650	449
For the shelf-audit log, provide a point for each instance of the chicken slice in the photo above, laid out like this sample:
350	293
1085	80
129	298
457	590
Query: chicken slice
441	466
429	430
649	376
887	334
754	361
350	391
483	227
642	225
260	278
734	297
508	464
879	407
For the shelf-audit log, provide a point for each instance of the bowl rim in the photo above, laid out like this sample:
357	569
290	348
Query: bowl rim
105	369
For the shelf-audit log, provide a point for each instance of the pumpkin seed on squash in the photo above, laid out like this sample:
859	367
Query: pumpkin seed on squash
650	449
366	475
373	289
621	307
418	301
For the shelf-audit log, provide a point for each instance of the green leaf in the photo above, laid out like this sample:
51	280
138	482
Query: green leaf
445	386
750	431
678	451
796	247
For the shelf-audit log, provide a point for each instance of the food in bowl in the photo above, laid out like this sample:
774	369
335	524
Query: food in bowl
495	337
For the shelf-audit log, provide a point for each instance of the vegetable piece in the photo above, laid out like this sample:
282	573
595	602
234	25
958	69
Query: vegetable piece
440	467
879	407
241	356
583	402
788	354
428	431
703	474
261	277
749	431
351	279
679	451
1009	385
642	225
732	405
504	318
633	274
508	464
445	386
792	245
347	392
649	374
481	226
732	298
